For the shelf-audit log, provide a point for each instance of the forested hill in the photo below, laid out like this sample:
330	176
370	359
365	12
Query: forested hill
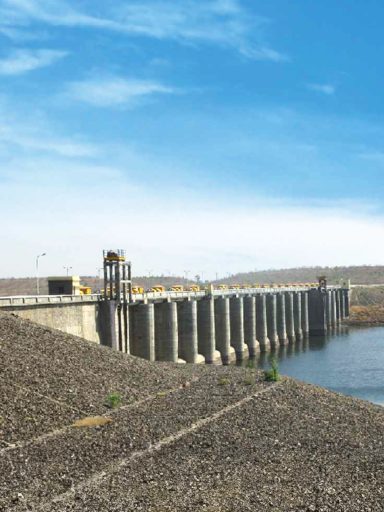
364	274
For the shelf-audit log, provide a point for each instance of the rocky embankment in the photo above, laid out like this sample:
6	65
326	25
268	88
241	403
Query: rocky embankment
367	306
366	315
182	438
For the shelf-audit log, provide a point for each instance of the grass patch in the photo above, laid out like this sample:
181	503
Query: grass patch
251	364
223	381
113	400
249	381
272	375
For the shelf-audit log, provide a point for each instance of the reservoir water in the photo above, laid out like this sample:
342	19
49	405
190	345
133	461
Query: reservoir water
349	361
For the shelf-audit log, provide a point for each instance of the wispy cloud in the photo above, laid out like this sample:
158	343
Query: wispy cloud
264	53
114	91
327	89
33	135
223	245
222	22
22	60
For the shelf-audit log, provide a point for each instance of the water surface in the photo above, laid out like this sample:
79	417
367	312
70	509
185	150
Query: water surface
350	361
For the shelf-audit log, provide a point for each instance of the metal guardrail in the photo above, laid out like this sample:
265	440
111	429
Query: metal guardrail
138	297
33	300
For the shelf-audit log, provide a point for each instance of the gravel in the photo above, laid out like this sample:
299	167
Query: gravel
185	438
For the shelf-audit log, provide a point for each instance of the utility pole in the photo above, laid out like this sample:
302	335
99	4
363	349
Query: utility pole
37	272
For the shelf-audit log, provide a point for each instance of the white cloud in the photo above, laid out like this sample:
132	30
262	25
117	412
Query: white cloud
167	231
33	135
22	60
327	89
46	143
223	22
114	91
264	53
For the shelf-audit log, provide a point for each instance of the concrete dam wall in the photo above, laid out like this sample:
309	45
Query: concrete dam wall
78	318
192	329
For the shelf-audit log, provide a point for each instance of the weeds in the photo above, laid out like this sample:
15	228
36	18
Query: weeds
248	381
223	381
249	373
272	375
251	364
113	400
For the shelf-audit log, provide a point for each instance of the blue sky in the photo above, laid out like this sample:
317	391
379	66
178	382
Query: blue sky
208	136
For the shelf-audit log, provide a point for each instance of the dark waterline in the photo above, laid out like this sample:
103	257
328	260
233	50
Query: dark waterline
350	361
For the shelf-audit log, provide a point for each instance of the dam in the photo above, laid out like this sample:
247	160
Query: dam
210	325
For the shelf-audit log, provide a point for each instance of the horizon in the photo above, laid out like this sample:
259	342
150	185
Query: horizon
219	136
192	278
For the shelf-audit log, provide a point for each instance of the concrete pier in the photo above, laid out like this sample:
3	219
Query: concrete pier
236	307
166	332
297	314
304	313
346	294
250	337
206	329
328	308
338	313
317	312
281	324
261	323
272	320
187	327
333	309
107	323
142	331
223	329
289	317
342	305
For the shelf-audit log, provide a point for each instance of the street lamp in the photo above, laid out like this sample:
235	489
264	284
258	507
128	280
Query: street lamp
37	271
68	269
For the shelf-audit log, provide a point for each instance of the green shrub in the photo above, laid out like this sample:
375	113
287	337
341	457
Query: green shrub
272	375
113	400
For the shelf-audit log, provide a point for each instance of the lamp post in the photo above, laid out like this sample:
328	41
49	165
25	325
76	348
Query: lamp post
37	271
68	269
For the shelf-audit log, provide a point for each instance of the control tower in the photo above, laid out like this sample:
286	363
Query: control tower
118	288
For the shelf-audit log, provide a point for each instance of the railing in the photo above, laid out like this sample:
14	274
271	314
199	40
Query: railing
138	297
33	300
